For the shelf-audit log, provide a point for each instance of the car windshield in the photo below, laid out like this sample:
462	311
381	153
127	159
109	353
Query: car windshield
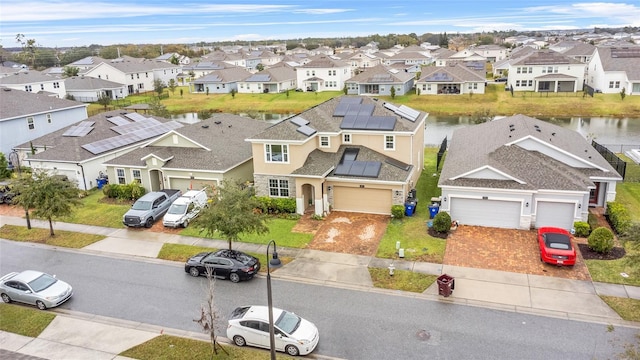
177	209
288	322
141	205
42	282
557	241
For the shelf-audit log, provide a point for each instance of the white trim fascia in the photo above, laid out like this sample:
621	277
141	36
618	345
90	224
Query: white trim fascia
488	167
195	170
267	141
467	189
597	178
152	155
173	132
395	183
549	191
571	155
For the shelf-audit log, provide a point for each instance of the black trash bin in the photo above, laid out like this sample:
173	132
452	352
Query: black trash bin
446	284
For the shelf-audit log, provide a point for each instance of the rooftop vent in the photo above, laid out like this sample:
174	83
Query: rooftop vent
217	122
205	126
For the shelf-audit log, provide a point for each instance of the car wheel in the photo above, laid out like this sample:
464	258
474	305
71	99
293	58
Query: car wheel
239	340
41	305
6	298
234	277
149	223
185	223
194	272
292	350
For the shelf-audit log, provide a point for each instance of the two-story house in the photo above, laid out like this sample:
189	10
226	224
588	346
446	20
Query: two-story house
25	116
349	153
546	70
34	81
615	68
275	79
323	73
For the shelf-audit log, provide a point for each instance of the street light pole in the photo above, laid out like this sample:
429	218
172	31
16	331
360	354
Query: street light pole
15	154
275	263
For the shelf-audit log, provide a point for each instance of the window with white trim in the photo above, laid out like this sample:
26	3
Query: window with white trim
27	88
48	118
389	142
56	85
346	138
277	153
120	175
617	84
136	175
30	123
610	84
279	188
324	141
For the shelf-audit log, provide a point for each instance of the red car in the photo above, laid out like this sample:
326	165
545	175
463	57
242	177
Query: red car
555	246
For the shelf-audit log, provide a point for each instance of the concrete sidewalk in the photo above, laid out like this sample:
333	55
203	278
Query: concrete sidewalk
533	294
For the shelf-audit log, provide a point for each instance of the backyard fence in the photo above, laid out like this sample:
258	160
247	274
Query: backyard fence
615	155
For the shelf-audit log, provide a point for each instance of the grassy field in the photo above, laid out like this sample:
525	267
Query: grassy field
402	280
628	309
96	212
495	99
62	238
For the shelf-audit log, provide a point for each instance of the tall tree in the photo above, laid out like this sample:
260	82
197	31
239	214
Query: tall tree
209	315
157	108
70	71
28	48
233	213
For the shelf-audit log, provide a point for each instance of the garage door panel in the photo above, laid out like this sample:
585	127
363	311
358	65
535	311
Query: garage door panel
494	213
555	214
187	184
374	201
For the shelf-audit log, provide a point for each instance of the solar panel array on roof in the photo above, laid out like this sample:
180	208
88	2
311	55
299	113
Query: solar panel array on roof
299	121
439	77
306	130
343	105
117	120
368	122
135	116
475	65
132	137
381	78
370	169
404	111
87	123
259	78
134	126
85	61
625	52
76	131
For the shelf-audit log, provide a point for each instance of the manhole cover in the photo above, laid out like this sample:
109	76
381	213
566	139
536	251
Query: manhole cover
423	335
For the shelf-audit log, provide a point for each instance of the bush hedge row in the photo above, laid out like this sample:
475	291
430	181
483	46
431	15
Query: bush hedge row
619	217
270	205
131	191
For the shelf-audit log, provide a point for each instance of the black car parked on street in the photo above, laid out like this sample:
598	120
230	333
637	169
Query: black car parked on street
225	264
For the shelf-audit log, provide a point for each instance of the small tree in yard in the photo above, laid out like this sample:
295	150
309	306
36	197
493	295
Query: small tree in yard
623	93
393	92
600	240
209	315
233	212
172	85
158	86
104	100
51	196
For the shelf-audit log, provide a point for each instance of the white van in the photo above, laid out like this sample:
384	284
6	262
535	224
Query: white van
185	208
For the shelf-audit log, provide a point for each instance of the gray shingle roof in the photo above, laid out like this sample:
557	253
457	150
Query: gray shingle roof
233	74
475	147
372	76
630	65
27	78
89	83
17	103
321	118
545	57
69	148
223	145
459	73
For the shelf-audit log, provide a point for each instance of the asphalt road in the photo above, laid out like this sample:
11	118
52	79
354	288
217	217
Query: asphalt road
352	324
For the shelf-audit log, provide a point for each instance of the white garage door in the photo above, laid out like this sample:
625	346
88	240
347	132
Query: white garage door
373	201
188	184
555	214
495	213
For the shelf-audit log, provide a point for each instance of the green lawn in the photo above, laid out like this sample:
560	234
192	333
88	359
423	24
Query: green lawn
402	280
166	347
609	271
412	231
279	229
94	211
628	309
62	238
24	320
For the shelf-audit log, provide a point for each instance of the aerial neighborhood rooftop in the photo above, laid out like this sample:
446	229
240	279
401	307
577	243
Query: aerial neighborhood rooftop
355	152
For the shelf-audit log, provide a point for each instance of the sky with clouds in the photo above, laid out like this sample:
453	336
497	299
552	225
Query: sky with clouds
107	22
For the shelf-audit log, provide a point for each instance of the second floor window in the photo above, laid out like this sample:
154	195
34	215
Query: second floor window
389	142
324	141
49	118
27	88
346	138
277	153
30	123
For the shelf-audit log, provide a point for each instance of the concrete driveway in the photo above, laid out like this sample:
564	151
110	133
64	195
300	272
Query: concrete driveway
505	250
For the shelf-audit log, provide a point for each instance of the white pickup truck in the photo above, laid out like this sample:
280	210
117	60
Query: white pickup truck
185	208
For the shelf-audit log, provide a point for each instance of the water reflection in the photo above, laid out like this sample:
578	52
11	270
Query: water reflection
192	118
605	130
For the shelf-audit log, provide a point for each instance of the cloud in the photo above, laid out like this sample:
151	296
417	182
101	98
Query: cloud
321	11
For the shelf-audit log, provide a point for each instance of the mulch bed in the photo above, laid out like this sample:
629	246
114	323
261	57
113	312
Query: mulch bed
436	234
588	254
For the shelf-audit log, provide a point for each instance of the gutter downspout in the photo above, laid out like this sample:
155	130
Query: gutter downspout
84	181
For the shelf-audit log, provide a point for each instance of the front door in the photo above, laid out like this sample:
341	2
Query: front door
593	195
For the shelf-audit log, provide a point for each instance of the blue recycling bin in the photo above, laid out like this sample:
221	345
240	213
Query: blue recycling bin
433	210
409	208
100	182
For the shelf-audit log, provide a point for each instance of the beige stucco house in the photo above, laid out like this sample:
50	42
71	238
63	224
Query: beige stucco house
349	153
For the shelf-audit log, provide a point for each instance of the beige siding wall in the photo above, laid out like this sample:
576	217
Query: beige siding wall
297	156
173	140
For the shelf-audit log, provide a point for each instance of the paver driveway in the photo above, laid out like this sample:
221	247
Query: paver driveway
505	250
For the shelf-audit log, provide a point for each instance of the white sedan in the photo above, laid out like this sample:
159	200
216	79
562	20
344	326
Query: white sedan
249	325
34	288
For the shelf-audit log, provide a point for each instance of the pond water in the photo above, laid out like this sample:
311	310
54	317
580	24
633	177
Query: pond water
191	118
604	130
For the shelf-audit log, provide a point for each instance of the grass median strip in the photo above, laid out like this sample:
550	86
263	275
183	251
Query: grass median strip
627	308
62	238
166	347
401	280
23	321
